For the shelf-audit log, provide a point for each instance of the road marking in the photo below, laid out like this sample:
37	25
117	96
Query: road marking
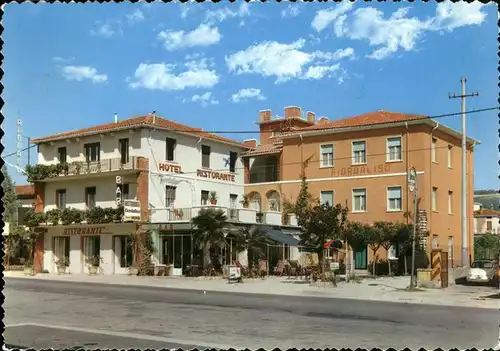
130	335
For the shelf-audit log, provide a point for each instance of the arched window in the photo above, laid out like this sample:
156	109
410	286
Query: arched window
255	200
273	201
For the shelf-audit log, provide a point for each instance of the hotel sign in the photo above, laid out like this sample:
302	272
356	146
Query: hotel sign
228	177
361	170
84	231
169	167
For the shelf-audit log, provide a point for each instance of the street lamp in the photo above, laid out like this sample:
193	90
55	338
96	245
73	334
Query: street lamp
412	187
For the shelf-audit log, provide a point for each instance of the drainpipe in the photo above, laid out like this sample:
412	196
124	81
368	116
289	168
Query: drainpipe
429	218
199	141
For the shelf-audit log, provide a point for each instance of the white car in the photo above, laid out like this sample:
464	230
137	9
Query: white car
482	271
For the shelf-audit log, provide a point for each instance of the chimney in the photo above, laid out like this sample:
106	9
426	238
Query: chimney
116	117
153	114
323	120
250	143
311	117
292	111
264	116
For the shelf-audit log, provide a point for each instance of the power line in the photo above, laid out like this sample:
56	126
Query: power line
14	153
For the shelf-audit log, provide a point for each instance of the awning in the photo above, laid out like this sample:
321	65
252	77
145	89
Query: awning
333	244
279	236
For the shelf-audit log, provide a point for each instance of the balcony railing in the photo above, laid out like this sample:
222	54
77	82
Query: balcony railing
265	174
95	167
241	215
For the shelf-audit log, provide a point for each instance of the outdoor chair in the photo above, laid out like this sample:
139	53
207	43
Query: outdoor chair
294	269
280	268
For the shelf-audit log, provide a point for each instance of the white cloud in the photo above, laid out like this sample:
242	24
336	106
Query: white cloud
105	30
324	18
290	11
225	13
136	16
319	72
80	73
284	61
59	59
204	35
205	99
248	93
163	76
398	31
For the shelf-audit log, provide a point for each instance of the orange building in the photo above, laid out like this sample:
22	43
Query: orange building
362	162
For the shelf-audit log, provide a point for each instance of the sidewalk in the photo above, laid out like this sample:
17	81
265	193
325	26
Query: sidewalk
380	289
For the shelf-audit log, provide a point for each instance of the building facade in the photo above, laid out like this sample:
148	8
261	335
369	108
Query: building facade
167	170
362	162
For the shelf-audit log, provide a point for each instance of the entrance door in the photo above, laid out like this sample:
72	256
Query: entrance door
361	258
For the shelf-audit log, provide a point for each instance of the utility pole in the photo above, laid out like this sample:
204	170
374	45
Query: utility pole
463	96
412	187
29	153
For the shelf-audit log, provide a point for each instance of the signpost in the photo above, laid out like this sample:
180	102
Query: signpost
412	187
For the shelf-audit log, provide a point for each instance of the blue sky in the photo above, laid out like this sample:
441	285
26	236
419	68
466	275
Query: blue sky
214	66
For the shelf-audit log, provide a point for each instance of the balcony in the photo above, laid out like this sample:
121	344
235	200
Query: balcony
235	215
264	174
79	169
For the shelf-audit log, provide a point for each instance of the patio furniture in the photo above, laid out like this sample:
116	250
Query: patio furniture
294	269
280	268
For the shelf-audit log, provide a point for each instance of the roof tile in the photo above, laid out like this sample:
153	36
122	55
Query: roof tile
25	190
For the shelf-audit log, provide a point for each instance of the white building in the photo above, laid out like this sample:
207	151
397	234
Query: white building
170	169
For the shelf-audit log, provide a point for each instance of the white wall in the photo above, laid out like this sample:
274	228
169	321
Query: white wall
75	191
47	153
188	156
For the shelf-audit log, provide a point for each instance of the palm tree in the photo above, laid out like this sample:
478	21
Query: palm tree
253	239
210	224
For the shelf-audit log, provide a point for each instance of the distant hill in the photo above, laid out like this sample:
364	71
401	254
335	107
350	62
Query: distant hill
488	198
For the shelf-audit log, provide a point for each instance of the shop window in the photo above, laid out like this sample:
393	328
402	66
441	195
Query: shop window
61	249
92	246
126	252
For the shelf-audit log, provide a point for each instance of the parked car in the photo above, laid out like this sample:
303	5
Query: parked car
483	272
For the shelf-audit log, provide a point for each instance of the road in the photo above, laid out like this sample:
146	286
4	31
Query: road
42	314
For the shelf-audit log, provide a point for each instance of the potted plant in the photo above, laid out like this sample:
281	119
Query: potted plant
260	217
213	198
245	200
28	266
93	263
61	264
273	206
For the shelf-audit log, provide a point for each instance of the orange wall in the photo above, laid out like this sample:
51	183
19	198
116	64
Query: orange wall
416	146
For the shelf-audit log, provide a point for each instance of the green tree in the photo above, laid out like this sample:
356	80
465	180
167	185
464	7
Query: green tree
324	222
209	224
487	246
374	239
253	239
355	235
387	237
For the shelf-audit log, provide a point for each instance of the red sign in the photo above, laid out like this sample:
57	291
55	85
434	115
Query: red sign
228	177
169	167
83	231
361	170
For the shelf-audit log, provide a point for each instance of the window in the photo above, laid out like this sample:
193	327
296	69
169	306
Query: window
92	152
126	191
450	201
394	149
92	247
435	242
126	254
358	152
359	200
205	156
170	152
90	193
326	197
489	226
394	198
61	199
62	155
450	250
233	156
61	249
326	155
123	145
450	153
170	196
204	197
233	205
433	150
434	198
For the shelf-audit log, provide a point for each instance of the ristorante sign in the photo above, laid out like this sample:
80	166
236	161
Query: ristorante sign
204	173
84	231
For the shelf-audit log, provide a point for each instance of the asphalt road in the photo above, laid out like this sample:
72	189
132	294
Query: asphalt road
117	316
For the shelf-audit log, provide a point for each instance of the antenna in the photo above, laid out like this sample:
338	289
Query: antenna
19	145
